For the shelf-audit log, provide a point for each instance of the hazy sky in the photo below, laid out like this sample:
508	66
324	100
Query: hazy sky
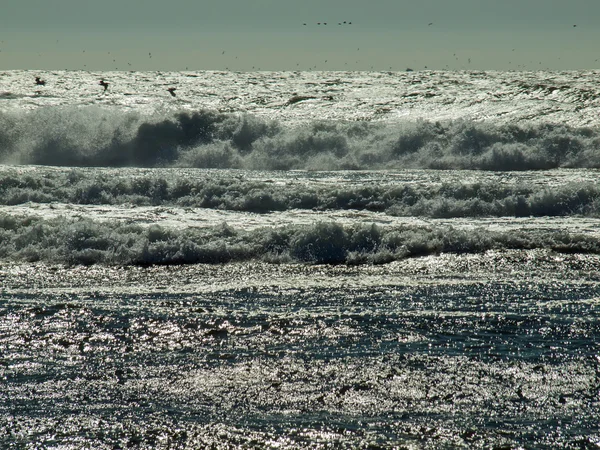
270	35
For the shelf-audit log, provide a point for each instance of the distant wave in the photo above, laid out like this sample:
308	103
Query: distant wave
83	241
93	136
224	191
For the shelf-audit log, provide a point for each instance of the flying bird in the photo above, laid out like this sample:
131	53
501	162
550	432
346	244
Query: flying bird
172	91
104	84
39	81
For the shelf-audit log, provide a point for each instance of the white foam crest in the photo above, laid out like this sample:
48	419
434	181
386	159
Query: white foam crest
85	241
391	194
93	137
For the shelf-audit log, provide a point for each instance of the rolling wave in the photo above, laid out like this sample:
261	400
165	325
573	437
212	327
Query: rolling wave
226	190
84	241
104	137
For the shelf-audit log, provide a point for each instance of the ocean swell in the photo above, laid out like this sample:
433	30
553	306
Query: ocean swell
109	137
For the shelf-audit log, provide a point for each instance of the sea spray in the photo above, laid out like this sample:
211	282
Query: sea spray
94	136
83	241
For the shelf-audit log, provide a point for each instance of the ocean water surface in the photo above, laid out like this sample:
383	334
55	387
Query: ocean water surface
300	260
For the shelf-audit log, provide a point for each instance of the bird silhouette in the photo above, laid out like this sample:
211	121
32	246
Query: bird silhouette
39	81
172	91
104	84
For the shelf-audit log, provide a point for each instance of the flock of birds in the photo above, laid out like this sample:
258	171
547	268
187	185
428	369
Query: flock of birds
325	23
104	84
320	24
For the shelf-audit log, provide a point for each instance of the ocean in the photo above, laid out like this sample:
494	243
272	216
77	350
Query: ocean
292	260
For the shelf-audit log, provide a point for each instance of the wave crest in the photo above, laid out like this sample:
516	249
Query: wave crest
228	191
83	241
93	136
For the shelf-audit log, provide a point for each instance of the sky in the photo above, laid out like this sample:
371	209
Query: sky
246	35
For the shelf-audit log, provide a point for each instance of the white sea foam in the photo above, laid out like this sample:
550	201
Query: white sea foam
97	136
262	153
568	98
303	120
414	193
85	241
178	306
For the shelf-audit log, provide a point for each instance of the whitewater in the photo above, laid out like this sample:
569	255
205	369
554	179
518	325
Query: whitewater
300	259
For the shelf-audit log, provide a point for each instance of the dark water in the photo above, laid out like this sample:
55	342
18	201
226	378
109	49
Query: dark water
308	357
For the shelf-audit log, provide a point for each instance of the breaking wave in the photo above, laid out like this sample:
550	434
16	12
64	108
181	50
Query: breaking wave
94	137
229	190
83	241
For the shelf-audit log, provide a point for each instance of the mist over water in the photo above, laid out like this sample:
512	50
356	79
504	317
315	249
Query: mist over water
100	137
299	260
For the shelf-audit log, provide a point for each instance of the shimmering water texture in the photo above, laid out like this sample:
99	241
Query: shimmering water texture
303	120
411	355
299	260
